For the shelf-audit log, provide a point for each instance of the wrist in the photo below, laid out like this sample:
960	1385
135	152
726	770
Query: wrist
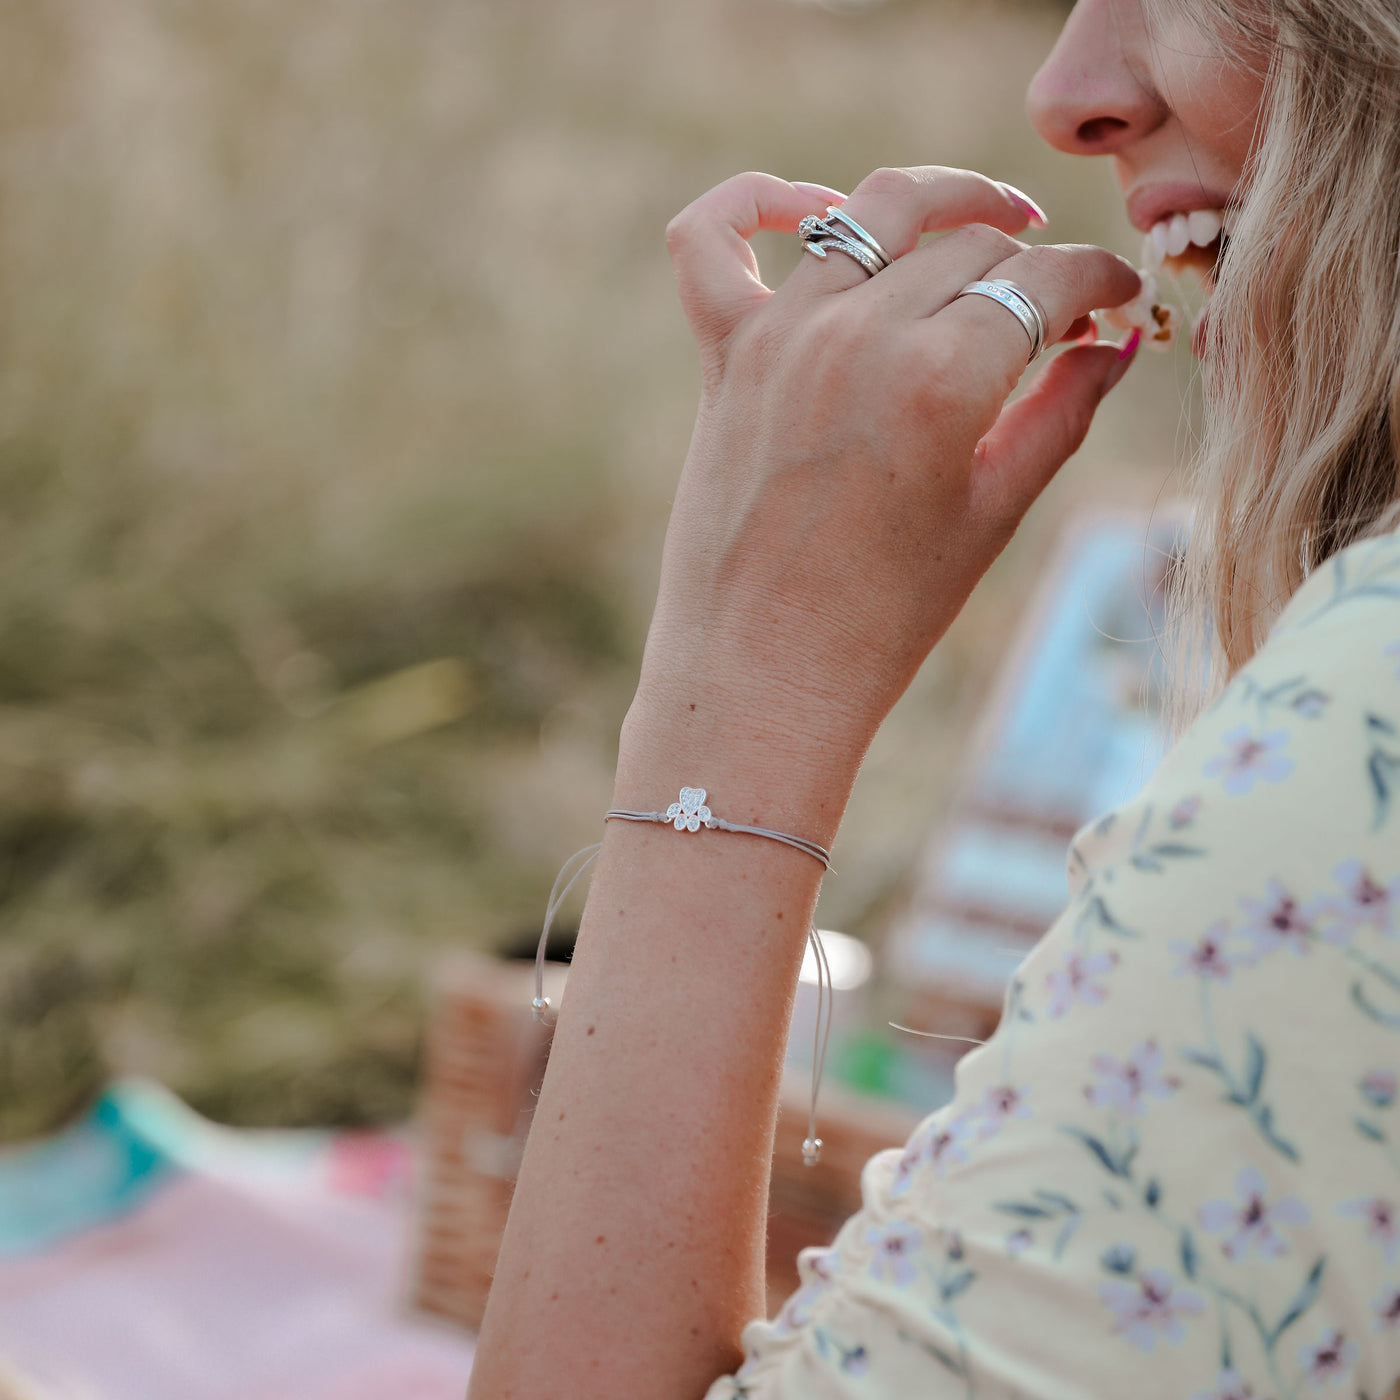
758	769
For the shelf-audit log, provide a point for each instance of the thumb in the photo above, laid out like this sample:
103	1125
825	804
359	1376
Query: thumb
1033	437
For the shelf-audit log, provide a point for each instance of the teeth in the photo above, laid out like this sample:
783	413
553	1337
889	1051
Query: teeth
1178	236
1171	237
1204	226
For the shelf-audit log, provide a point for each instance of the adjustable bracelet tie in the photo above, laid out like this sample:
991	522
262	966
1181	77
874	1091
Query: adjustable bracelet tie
690	814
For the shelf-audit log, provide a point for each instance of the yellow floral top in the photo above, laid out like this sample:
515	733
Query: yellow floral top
1175	1169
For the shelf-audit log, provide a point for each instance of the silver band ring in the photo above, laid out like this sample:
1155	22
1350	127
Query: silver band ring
861	236
1019	303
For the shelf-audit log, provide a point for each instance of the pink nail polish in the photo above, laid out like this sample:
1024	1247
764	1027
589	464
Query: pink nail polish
1026	204
1126	354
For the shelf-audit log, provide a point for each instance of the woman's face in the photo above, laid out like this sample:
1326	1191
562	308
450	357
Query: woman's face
1174	109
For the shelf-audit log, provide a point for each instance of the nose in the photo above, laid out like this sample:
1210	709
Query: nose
1094	95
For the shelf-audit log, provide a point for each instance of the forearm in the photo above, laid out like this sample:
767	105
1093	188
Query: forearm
853	472
634	1252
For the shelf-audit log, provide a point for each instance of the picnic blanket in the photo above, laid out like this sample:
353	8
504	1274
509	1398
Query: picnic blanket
148	1254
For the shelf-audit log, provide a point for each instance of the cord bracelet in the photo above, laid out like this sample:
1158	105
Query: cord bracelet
690	814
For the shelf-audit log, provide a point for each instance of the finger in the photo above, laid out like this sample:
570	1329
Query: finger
896	206
1084	331
1066	281
1036	434
708	242
926	280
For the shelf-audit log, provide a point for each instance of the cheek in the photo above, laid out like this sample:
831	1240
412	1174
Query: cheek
1239	100
1216	97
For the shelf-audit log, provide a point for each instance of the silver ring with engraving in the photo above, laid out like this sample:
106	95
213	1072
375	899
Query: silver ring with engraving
1019	303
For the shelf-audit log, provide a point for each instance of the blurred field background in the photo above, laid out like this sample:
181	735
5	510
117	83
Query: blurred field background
342	392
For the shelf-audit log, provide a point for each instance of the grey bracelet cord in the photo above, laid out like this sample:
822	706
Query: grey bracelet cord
690	814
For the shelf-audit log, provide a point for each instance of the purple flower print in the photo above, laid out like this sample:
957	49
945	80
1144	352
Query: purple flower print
796	1313
818	1268
1207	956
1311	703
1127	1084
1150	1308
896	1244
1378	1087
1074	981
910	1160
1018	1242
856	1362
1328	1361
940	1143
1249	1222
1229	1385
1184	813
947	1147
1393	650
1364	903
1000	1102
1277	921
1386	1306
1248	760
1382	1226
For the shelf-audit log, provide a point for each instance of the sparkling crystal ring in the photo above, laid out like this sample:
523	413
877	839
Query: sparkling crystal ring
858	233
1019	303
841	232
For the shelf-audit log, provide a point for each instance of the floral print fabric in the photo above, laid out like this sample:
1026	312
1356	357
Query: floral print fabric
1175	1169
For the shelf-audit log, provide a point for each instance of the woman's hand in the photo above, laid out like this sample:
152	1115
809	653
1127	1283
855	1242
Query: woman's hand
855	467
853	473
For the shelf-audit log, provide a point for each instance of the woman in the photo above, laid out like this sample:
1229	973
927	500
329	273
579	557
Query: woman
1175	1167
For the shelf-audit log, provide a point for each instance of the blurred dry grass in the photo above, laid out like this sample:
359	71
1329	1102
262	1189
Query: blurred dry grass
341	395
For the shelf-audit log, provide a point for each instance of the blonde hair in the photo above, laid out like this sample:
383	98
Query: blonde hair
1300	453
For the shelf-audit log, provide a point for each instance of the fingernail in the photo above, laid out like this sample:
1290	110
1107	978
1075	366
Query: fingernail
824	191
1026	204
1126	354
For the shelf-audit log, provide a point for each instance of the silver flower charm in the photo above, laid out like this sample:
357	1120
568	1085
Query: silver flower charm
690	813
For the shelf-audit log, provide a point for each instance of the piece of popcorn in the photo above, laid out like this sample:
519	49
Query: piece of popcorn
1158	321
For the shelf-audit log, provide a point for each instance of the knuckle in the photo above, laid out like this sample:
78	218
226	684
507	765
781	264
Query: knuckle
889	180
941	364
984	240
851	331
680	231
1047	261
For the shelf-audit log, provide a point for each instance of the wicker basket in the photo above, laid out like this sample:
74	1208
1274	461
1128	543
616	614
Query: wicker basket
486	1058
